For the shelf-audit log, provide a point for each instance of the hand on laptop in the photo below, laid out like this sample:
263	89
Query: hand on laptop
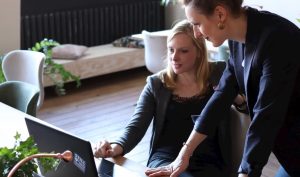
105	149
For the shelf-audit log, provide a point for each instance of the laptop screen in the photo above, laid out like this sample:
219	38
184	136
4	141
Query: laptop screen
52	139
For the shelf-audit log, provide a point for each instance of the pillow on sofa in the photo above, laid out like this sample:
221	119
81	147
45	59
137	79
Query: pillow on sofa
68	51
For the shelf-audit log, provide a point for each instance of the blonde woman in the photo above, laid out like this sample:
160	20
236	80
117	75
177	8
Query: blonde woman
170	99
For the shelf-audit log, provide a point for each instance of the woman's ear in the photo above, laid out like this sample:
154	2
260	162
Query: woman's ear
221	13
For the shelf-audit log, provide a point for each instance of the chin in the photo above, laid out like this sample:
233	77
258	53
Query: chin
177	71
217	44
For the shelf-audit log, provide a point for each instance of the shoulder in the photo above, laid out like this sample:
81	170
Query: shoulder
271	25
156	86
154	81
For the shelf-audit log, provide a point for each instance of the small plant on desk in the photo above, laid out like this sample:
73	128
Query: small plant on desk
11	156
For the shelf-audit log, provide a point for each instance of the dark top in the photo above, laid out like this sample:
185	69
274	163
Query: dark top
152	107
266	69
177	128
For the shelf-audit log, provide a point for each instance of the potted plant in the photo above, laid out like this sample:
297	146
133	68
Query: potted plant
11	156
56	72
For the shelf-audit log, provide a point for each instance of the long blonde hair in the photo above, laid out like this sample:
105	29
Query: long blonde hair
168	76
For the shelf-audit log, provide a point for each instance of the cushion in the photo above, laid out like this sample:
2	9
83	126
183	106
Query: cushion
68	51
128	41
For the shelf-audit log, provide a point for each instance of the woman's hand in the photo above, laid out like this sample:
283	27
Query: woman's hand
104	149
175	168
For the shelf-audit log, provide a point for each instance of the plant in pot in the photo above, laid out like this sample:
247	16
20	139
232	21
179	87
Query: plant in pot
11	156
56	72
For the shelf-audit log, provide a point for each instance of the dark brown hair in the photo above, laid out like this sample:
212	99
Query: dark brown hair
207	7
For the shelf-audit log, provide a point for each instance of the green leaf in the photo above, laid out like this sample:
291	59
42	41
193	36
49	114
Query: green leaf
10	156
56	72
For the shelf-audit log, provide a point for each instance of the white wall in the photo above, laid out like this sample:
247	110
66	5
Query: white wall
10	31
289	9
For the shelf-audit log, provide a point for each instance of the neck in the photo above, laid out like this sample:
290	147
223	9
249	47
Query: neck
186	85
238	28
186	79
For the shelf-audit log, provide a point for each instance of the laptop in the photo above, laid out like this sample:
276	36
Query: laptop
53	139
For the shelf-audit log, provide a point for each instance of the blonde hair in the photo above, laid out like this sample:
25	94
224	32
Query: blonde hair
168	76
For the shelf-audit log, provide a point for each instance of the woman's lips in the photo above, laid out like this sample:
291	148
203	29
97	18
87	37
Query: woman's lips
176	66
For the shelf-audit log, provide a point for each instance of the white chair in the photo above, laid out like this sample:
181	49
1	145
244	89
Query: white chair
26	66
155	51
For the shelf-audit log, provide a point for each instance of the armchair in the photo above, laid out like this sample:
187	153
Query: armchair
155	51
20	95
26	66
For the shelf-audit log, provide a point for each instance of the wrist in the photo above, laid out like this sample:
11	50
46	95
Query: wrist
116	149
187	151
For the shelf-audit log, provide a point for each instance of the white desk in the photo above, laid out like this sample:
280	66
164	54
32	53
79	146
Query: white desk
13	120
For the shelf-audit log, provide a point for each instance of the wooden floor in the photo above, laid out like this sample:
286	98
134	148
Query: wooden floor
101	107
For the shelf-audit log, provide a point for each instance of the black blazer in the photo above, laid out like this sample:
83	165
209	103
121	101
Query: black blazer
266	69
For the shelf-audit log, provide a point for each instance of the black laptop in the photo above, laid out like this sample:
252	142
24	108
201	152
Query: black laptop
53	139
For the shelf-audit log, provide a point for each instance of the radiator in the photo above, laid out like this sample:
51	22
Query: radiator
92	26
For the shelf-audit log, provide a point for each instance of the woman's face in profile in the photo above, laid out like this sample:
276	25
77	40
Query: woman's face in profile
182	53
206	27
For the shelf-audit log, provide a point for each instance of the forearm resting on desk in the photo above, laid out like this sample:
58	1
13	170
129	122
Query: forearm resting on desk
105	149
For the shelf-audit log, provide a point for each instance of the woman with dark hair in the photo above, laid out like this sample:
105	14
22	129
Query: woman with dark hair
264	66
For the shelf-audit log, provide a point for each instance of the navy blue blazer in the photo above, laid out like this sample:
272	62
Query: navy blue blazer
266	69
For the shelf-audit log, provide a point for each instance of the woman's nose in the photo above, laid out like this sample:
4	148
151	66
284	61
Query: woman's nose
175	56
197	32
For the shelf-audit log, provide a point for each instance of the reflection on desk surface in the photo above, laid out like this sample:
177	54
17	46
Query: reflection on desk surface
109	169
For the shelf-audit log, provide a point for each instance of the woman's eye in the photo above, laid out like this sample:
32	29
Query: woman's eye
184	51
171	50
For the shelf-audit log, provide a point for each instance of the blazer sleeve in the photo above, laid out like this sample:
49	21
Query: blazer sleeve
141	118
221	101
274	72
